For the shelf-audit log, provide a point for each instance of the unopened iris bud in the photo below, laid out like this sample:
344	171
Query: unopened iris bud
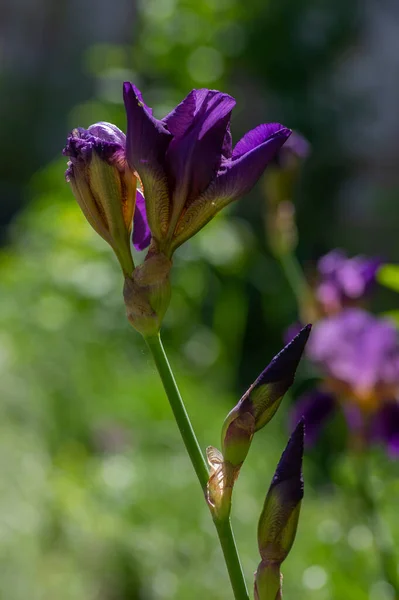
259	404
103	185
279	518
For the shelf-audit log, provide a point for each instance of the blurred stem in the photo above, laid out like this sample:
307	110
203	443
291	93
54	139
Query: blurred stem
300	287
383	544
223	527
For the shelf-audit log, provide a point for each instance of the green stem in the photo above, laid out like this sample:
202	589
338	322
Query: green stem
179	410
223	527
232	560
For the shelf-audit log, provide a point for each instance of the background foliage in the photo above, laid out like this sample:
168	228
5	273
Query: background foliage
97	497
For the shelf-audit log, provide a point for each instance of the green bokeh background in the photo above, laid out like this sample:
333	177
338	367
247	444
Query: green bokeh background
97	498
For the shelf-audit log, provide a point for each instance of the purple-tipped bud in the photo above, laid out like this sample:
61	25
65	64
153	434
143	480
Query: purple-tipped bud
268	390
261	401
103	185
279	519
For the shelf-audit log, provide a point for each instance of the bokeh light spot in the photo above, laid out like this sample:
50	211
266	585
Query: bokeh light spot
360	537
381	590
329	531
314	577
205	64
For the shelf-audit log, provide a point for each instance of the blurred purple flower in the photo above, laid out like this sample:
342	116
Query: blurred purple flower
296	147
357	348
344	280
187	164
358	354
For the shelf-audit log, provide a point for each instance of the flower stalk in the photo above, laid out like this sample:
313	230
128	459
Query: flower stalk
223	525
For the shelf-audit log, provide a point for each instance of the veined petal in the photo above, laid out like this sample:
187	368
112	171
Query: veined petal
315	408
236	177
256	137
181	117
146	144
141	229
195	154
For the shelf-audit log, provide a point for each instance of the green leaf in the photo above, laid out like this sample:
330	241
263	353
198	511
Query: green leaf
388	275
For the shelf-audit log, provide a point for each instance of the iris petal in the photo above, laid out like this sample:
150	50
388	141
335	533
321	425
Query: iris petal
146	143
256	137
196	152
141	229
236	177
181	117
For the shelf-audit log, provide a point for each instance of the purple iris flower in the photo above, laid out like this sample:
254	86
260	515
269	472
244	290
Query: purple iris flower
187	164
358	354
91	153
344	280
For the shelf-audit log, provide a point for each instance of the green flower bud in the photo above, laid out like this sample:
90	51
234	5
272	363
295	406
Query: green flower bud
147	294
261	401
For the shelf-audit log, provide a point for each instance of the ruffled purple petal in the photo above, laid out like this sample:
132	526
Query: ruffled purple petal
146	143
316	407
385	428
104	138
108	132
199	125
141	229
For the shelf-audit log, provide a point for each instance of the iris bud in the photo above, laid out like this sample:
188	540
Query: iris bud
103	185
279	518
259	404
